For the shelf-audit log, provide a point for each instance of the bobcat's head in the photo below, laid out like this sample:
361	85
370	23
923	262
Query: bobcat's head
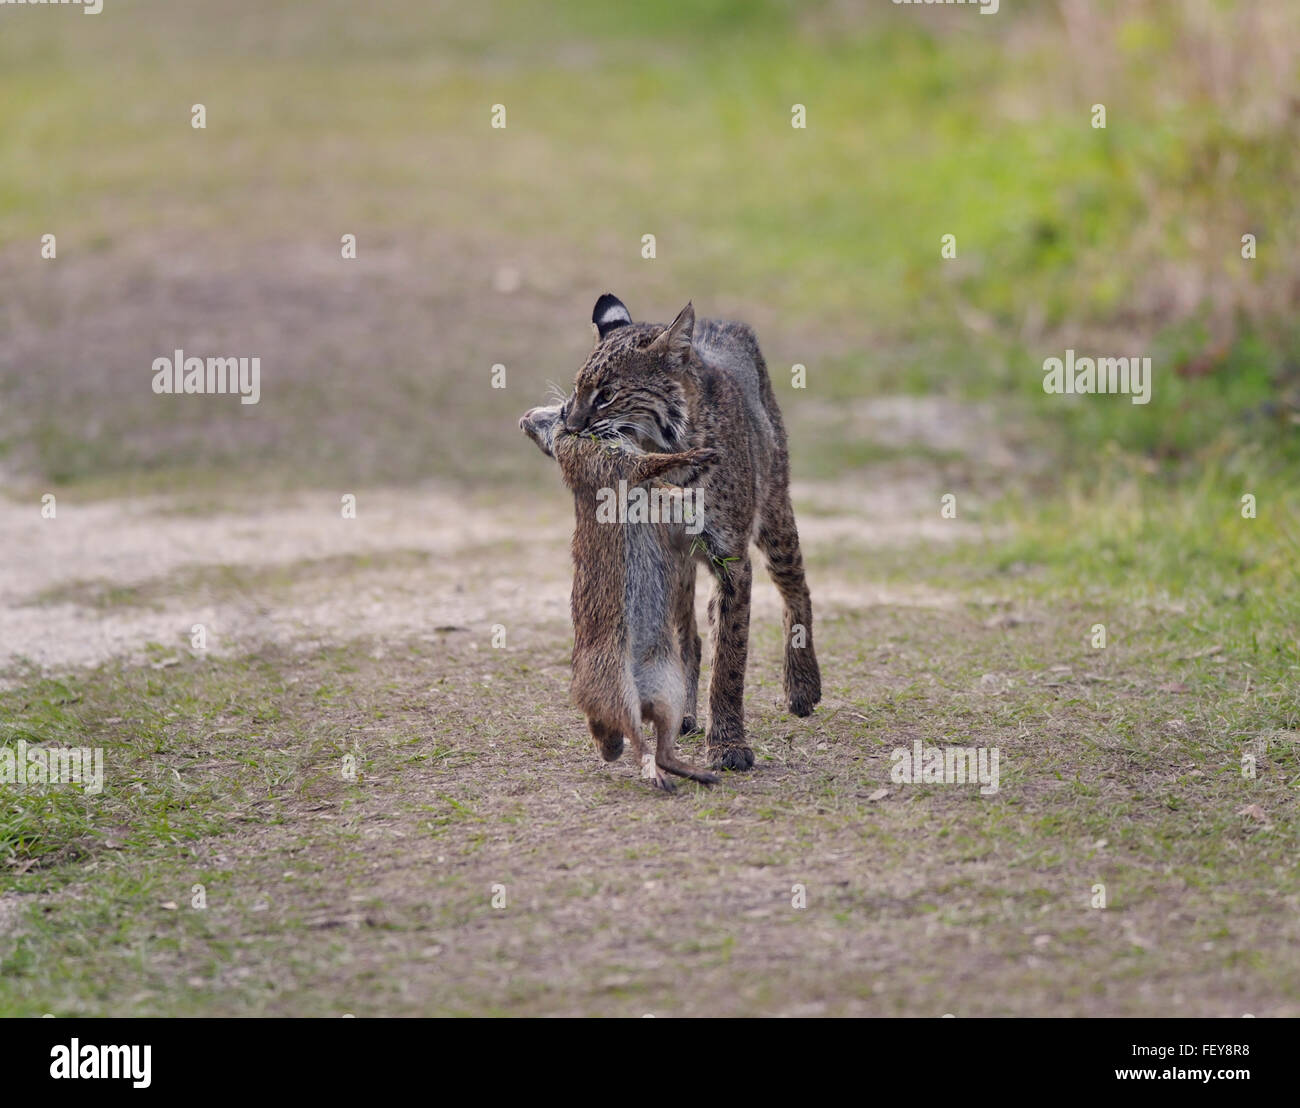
631	384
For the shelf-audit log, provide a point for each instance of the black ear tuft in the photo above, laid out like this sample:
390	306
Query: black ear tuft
610	312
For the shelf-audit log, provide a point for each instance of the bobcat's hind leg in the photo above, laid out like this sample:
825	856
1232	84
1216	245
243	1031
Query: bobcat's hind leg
778	539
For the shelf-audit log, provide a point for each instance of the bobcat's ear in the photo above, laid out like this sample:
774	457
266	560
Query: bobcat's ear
610	312
675	340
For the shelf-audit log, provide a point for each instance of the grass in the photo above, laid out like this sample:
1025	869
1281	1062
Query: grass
828	237
1121	766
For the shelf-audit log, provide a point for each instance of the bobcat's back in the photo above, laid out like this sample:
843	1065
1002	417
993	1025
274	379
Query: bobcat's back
729	351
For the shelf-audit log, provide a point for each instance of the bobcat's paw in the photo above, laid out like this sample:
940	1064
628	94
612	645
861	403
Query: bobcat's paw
735	756
804	700
803	689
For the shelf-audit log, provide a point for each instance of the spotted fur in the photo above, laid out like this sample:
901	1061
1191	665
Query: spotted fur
682	386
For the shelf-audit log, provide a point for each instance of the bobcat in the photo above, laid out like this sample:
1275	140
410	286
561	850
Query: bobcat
627	660
668	389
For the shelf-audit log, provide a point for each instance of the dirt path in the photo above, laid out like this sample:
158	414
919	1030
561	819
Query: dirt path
105	578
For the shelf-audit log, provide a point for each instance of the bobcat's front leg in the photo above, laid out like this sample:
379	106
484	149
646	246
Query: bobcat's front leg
729	632
689	640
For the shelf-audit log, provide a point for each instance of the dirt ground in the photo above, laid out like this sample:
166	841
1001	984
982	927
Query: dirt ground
483	861
105	578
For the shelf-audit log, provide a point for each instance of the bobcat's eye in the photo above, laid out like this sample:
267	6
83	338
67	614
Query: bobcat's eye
602	398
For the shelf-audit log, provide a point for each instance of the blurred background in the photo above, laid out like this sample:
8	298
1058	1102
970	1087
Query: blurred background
479	246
